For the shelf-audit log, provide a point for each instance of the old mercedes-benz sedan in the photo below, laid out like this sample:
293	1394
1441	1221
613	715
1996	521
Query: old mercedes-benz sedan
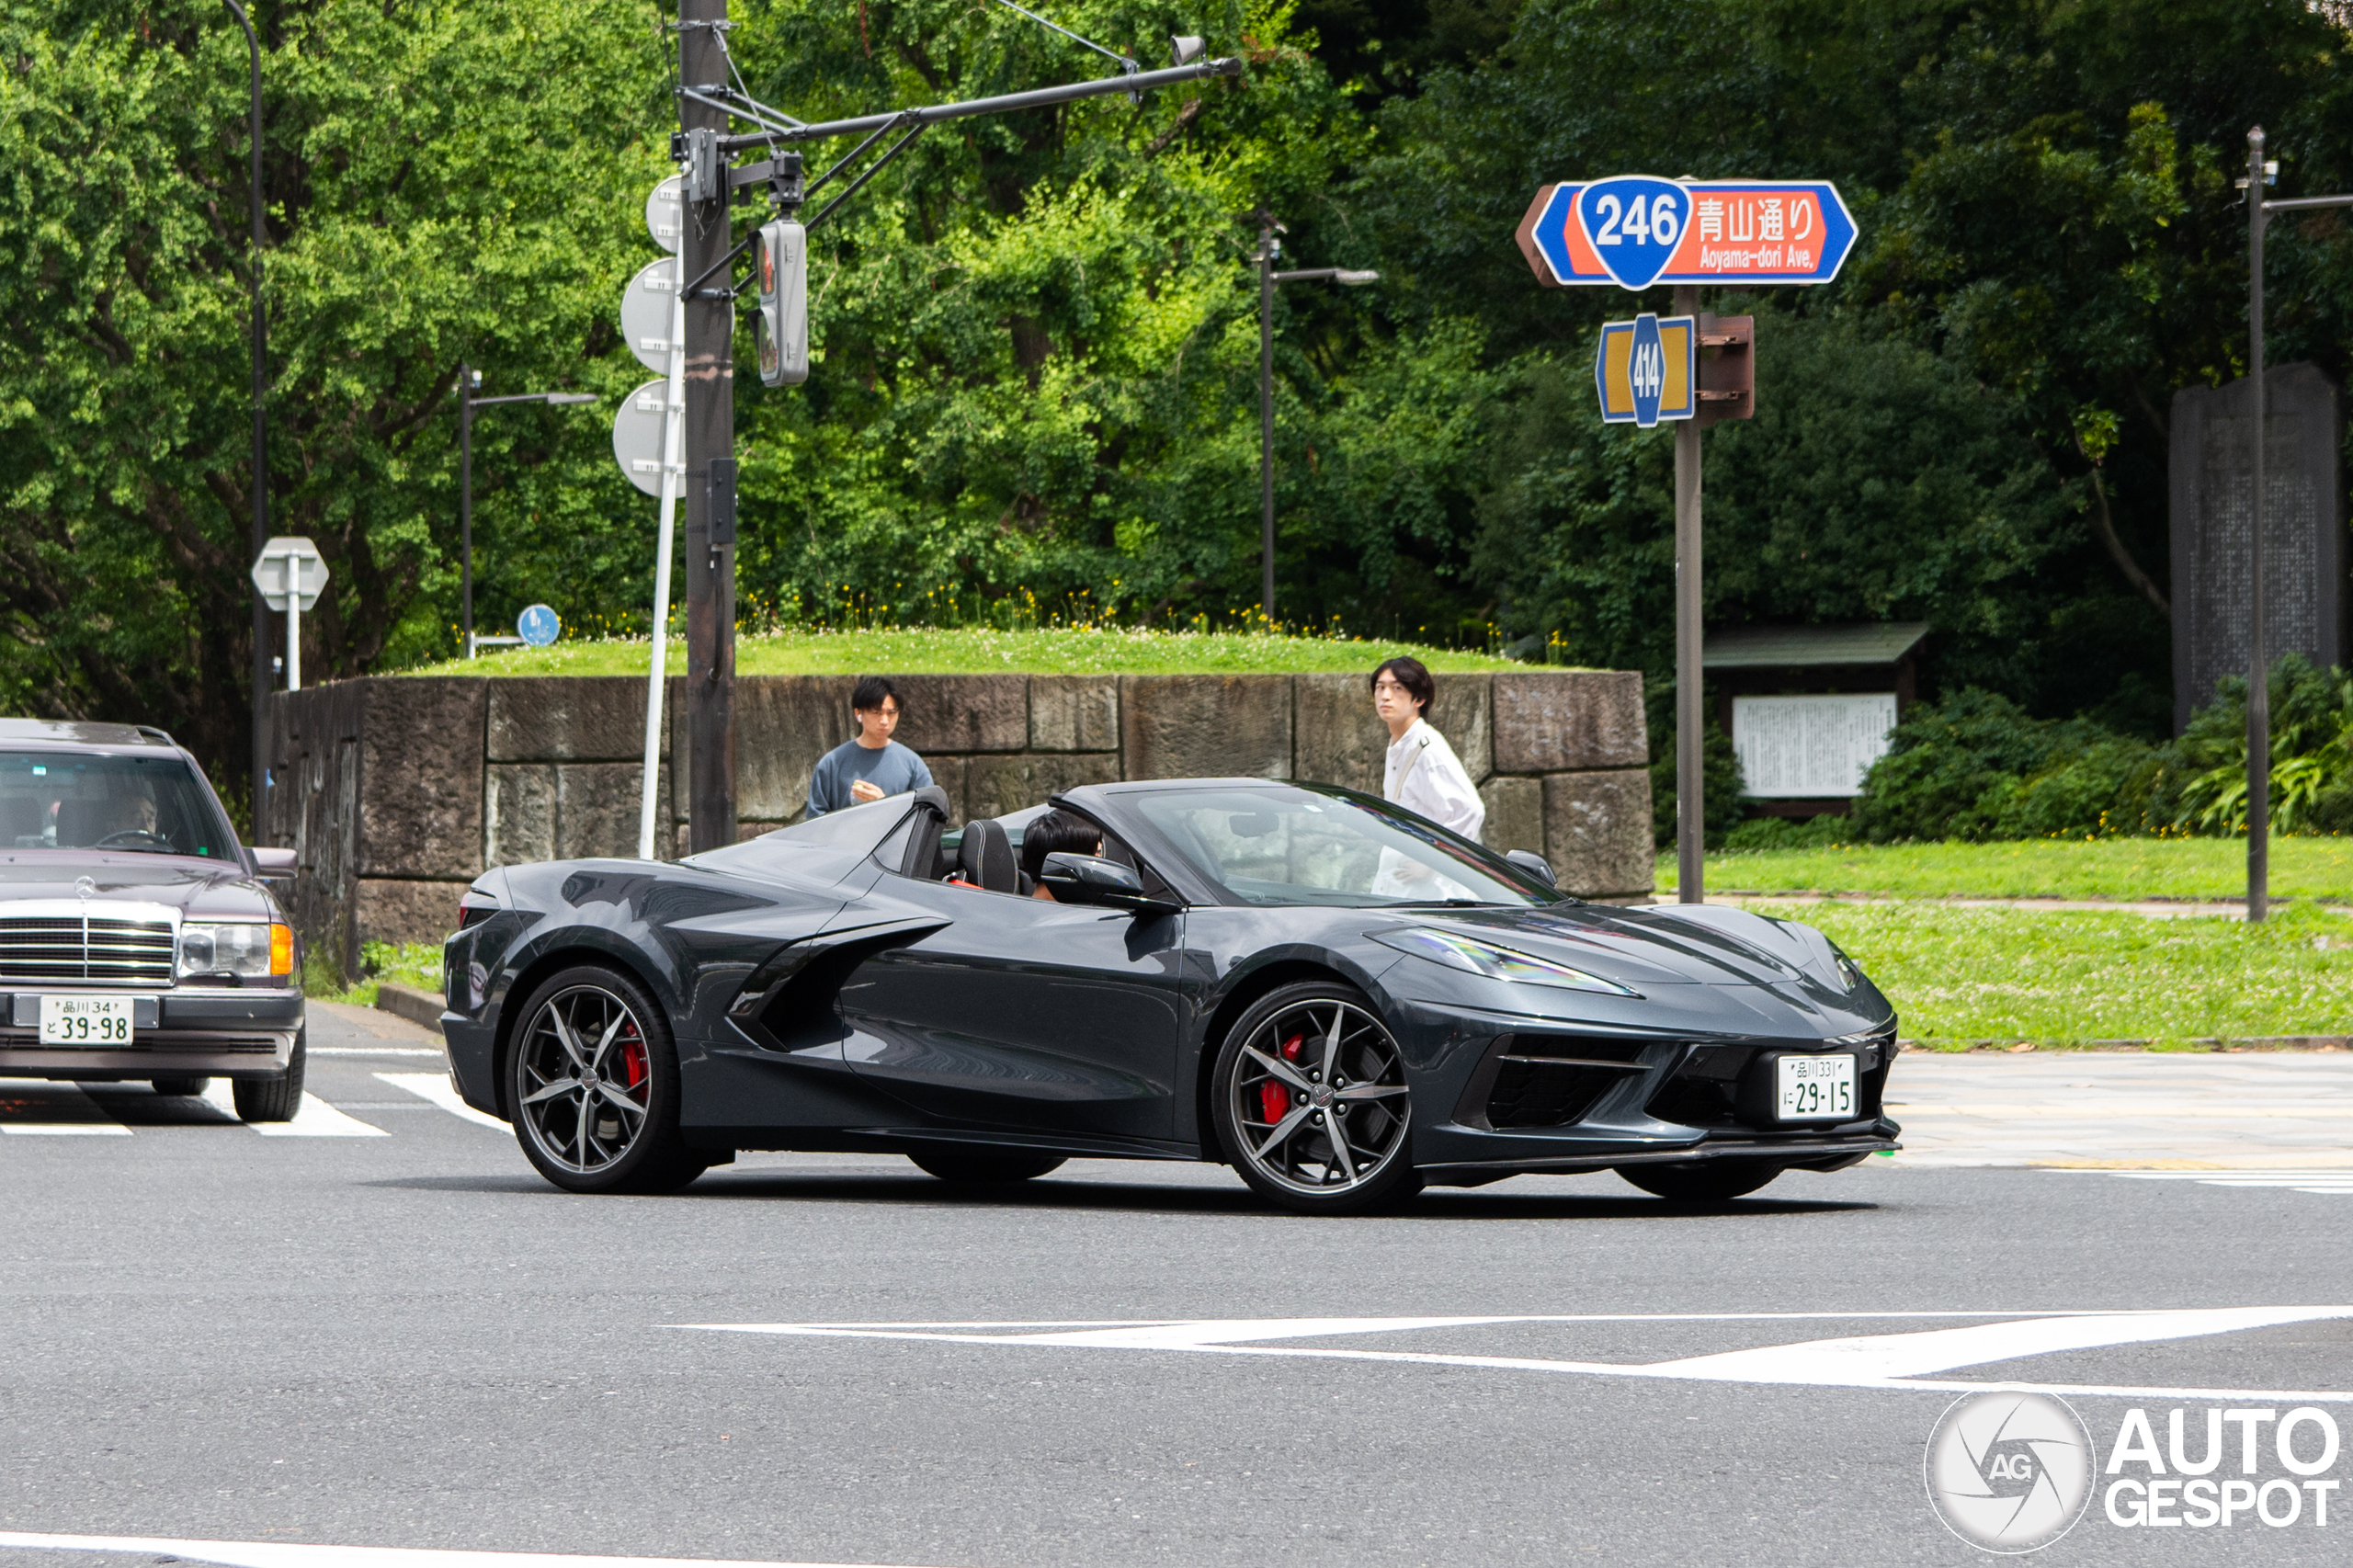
137	938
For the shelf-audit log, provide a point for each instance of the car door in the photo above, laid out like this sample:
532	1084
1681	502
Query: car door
1024	1015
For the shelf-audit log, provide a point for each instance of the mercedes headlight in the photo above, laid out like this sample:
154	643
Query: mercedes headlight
252	951
1494	962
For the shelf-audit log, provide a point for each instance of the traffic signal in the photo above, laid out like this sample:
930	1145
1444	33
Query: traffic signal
1727	368
780	328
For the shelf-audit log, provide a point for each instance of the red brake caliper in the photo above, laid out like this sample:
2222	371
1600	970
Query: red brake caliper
633	1057
1274	1099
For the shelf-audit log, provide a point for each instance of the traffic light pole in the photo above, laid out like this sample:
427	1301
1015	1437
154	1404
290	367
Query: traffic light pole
708	98
709	438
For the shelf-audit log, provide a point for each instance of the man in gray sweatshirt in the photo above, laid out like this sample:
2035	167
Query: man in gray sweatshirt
873	765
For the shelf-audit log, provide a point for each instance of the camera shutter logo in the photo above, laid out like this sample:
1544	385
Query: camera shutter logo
2010	1473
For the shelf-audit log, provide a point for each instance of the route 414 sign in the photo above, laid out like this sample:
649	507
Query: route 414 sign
1635	230
1646	370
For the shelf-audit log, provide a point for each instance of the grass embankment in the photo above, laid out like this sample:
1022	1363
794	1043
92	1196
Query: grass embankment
2119	869
1058	651
1960	975
416	965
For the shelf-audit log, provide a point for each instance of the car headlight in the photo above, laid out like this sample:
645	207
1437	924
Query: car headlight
248	951
1494	962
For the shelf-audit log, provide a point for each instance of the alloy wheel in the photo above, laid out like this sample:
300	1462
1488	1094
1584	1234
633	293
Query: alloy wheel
1320	1098
585	1078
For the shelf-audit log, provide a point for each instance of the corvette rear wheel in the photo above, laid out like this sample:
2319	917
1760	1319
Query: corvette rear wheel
1701	1181
594	1084
1312	1103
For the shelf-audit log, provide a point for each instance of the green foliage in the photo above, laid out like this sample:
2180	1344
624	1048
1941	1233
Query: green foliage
1960	976
1977	766
1069	650
1761	834
2311	753
2124	869
444	183
1036	335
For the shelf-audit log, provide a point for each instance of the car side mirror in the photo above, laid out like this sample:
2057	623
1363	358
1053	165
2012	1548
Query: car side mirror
1091	879
274	865
1535	865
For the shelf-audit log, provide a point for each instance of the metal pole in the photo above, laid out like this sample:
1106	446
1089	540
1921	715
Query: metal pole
2258	679
1691	774
260	332
1267	417
657	674
293	621
466	501
709	436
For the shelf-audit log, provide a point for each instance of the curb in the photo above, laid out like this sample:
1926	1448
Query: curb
407	1002
2163	1047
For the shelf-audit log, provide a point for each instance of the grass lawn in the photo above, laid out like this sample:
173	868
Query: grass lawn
1061	651
2065	977
2042	868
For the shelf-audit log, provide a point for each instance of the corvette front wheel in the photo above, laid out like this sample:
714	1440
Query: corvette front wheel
593	1085
1311	1103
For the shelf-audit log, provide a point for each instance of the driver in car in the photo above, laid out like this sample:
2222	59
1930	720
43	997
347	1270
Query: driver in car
1056	833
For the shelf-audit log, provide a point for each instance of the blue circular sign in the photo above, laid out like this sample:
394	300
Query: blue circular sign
1635	225
537	626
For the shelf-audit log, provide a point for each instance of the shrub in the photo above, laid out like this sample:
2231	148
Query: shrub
1790	832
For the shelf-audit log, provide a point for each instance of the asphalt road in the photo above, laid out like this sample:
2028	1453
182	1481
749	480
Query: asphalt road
384	1331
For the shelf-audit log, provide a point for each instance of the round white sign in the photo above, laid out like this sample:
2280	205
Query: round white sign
636	434
646	306
665	214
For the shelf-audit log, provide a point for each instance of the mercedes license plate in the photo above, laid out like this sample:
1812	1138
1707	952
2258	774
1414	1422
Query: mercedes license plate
1816	1088
86	1020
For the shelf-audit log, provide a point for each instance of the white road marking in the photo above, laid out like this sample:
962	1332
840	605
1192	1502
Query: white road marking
2333	1182
289	1554
1867	1361
59	1110
437	1087
313	1119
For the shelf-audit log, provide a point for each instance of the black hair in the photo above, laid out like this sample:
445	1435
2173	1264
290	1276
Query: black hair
1411	673
867	695
1057	833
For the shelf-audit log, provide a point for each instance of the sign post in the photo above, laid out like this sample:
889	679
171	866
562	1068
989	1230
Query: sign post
1636	230
647	438
290	576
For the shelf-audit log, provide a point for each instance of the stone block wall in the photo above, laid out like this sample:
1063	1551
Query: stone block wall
396	791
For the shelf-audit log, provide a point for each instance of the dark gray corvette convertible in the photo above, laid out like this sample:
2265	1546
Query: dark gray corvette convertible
1342	1001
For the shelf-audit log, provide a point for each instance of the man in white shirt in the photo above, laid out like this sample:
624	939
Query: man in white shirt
1422	774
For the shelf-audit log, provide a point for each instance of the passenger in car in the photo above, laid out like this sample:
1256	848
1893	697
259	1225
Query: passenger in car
1056	833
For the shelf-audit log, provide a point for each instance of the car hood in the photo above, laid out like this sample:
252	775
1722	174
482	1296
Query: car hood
198	888
1661	945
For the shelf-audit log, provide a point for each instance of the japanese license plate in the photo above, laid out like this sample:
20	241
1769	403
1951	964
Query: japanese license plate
86	1020
1816	1088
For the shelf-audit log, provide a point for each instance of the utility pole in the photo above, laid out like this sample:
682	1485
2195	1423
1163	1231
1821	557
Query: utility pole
2258	680
260	329
709	459
1268	246
466	381
1691	713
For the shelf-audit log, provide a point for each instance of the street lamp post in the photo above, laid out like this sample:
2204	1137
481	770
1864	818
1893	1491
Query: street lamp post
260	333
468	380
2260	172
1270	248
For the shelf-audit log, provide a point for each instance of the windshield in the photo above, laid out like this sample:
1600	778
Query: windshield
1276	844
148	804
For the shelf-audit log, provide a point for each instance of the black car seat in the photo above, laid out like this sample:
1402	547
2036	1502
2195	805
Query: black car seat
985	856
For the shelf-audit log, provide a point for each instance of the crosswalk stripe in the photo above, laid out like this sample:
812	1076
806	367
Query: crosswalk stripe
314	1119
437	1087
2328	1183
288	1554
61	1111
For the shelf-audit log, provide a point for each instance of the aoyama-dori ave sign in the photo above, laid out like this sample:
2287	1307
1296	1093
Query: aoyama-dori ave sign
1636	230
